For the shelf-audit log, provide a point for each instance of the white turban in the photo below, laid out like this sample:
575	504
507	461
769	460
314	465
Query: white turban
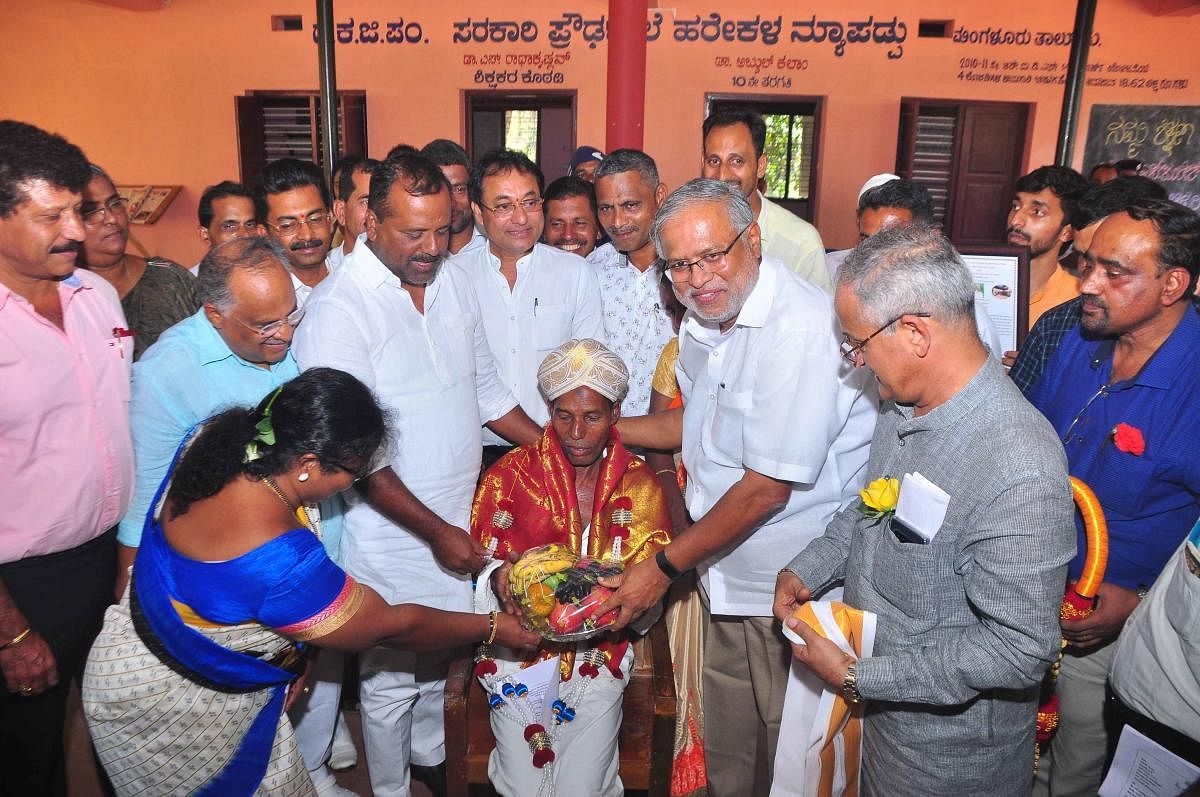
583	363
876	181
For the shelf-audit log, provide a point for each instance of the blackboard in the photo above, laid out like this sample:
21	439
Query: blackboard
1166	138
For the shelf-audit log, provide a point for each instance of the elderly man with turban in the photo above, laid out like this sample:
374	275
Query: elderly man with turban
577	486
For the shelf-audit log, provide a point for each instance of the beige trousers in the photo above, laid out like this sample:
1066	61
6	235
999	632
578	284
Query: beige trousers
746	661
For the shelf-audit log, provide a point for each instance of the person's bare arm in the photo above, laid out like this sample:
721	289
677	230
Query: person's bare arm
663	465
662	431
516	427
452	546
29	667
125	557
415	627
741	509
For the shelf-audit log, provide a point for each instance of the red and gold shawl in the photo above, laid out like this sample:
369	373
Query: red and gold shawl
528	499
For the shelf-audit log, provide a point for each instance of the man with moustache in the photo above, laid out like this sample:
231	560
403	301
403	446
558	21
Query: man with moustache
409	326
353	183
756	343
66	463
1097	203
735	151
636	325
1040	219
155	293
533	297
1123	393
456	166
293	204
226	211
570	210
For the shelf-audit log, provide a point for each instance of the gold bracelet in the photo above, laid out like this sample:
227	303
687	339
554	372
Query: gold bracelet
18	639
491	629
661	471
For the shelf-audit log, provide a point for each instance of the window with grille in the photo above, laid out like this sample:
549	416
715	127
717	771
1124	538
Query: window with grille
287	124
791	147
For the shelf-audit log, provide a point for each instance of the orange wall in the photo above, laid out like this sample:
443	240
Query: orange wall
149	94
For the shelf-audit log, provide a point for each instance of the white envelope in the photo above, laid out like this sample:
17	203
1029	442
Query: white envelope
922	505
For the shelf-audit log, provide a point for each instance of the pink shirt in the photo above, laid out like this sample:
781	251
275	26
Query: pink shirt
66	460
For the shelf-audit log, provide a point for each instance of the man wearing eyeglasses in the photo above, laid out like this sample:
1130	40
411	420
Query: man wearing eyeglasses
233	351
966	586
293	203
533	297
226	211
774	432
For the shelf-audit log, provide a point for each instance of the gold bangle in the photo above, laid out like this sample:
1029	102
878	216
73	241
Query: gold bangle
18	639
491	629
661	471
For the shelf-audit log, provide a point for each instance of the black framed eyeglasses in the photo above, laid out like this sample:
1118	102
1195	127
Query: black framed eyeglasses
679	270
851	348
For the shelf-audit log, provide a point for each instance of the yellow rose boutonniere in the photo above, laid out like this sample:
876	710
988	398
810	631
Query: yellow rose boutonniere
879	498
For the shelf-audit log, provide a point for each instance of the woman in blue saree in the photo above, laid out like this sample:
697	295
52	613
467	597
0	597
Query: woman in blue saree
185	687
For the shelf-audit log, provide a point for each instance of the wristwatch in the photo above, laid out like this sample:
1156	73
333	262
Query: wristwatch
850	687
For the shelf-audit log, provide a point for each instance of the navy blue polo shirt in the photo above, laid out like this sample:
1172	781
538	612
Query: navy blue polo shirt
1150	501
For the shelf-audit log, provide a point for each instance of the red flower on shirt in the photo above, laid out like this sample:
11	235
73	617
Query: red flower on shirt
1129	439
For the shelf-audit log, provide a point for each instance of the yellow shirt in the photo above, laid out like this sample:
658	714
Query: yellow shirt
665	381
1061	287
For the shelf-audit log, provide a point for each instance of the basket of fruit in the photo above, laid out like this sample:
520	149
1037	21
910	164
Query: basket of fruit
560	592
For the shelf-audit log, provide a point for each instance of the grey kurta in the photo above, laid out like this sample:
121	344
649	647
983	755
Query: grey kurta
968	624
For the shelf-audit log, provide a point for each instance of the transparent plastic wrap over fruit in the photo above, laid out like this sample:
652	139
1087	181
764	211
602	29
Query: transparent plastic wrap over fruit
560	592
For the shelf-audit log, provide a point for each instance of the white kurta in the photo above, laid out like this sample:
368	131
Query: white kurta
434	375
636	326
773	395
555	298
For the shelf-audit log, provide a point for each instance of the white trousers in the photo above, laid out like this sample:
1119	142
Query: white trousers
315	715
402	715
586	758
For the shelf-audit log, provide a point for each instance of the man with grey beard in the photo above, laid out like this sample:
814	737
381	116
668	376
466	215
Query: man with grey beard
408	325
775	430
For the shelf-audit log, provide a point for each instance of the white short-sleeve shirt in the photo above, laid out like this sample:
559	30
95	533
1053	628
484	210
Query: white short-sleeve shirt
773	395
434	375
555	298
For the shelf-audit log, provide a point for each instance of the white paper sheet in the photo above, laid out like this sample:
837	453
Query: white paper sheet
1144	768
921	505
542	679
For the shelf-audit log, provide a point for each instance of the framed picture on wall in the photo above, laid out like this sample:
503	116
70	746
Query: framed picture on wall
1001	277
147	203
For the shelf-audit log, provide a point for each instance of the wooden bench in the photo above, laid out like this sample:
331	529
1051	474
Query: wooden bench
646	740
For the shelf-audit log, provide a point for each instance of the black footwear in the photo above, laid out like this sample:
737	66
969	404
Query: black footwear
433	777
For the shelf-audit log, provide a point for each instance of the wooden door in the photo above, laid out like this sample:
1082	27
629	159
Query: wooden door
988	163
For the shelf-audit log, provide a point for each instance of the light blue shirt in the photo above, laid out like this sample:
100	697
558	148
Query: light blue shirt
187	376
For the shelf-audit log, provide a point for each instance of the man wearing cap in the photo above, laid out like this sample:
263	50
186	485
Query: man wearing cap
577	486
584	163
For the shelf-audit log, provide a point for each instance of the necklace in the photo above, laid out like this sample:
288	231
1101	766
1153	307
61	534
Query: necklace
267	480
